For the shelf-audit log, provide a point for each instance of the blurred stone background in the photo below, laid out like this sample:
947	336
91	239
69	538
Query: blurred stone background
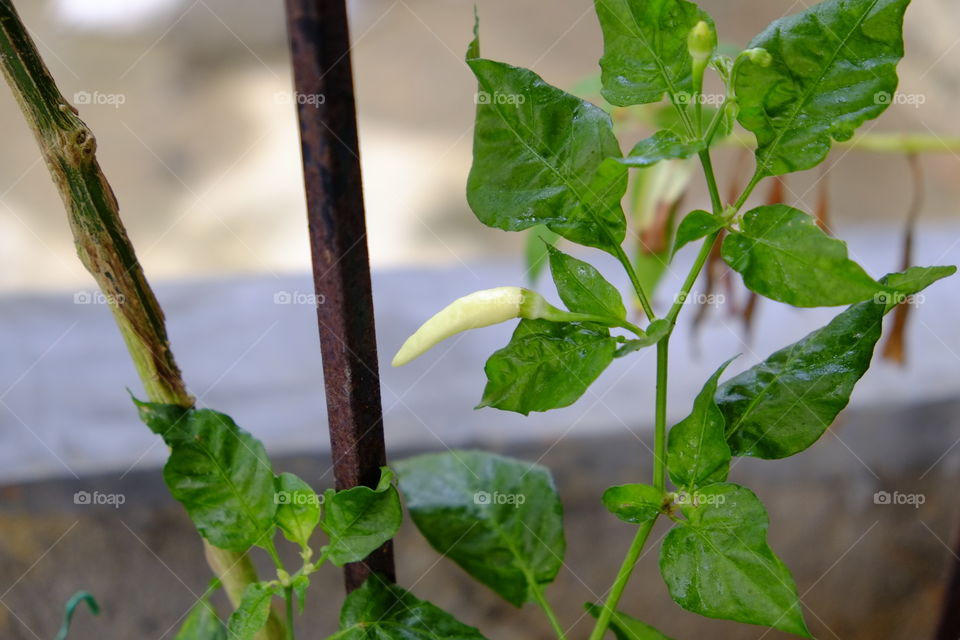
199	152
190	104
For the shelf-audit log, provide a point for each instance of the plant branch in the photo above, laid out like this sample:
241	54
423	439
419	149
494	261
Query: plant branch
541	599
635	281
623	577
288	607
711	178
69	149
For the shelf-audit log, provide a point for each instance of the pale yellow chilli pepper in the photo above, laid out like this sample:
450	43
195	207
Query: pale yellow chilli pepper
479	309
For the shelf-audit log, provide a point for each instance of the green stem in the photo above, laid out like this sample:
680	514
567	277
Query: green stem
541	599
711	182
288	602
692	276
69	148
754	181
623	577
635	281
660	425
714	125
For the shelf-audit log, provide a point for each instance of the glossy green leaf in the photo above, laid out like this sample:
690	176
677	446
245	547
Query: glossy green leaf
717	563
254	610
697	449
499	519
834	67
625	627
382	611
655	332
546	365
535	252
696	225
782	254
218	472
784	404
202	623
298	508
645	49
359	520
539	159
583	289
634	503
663	145
911	281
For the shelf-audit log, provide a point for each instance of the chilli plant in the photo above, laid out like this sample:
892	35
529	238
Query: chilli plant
543	157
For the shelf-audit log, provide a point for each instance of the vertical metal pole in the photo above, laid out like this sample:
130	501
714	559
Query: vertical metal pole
949	628
320	44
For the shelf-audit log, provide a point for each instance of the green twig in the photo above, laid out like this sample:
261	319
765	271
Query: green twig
541	599
623	577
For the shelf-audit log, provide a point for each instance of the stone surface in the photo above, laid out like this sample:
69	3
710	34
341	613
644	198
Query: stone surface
249	347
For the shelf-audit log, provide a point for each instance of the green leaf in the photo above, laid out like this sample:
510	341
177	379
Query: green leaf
539	159
696	225
218	472
298	508
663	145
645	49
625	627
634	503
655	332
913	280
546	365
784	404
382	611
834	67
253	612
499	519
360	520
202	623
782	254
717	563
70	608
583	289
535	252
697	449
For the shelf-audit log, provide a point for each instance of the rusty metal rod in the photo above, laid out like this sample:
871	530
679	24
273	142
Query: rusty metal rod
949	627
323	78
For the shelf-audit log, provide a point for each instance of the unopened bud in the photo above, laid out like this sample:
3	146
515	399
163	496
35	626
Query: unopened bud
702	42
759	56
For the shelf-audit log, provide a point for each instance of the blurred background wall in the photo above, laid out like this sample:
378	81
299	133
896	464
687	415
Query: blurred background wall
191	105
